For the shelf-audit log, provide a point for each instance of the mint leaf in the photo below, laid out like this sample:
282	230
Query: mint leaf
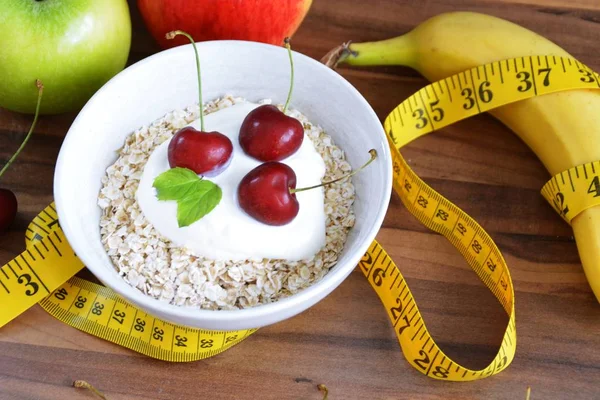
204	197
195	196
175	183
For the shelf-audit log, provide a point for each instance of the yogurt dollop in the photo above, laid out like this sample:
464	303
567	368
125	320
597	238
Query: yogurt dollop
227	232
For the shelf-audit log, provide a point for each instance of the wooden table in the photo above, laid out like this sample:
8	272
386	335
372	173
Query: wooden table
346	341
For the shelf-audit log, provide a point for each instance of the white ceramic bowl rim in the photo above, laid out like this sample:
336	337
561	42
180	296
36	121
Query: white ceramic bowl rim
257	312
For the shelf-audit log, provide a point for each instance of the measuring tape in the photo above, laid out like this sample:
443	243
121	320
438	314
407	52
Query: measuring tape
39	274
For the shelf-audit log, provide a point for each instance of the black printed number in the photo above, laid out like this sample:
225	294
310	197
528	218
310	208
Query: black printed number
230	339
422	201
476	246
61	294
437	112
422	121
525	78
587	77
407	185
443	215
396	311
485	94
468	95
33	287
97	309
461	228
547	77
559	204
180	341
119	316
423	362
595	187
158	334
403	327
206	343
503	284
440	372
366	261
80	301
490	264
139	325
378	275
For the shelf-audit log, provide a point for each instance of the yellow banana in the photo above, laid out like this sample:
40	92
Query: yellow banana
563	129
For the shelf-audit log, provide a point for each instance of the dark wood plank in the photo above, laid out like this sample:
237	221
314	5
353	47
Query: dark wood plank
346	341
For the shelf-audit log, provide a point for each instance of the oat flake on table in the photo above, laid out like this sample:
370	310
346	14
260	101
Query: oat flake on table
149	262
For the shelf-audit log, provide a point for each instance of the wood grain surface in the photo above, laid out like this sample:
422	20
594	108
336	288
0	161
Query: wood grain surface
346	341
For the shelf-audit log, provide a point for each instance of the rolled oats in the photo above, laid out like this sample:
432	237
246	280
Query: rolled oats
152	264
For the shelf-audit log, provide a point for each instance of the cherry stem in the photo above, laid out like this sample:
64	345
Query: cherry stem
171	35
286	43
373	154
85	385
40	87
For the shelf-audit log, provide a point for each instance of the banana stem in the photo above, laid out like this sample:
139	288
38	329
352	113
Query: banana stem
396	51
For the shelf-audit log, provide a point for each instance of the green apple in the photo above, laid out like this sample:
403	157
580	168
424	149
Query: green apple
72	46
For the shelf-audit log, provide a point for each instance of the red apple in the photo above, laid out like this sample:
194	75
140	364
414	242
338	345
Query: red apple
268	21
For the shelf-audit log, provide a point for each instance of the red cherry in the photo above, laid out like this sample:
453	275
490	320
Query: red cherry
268	192
267	134
265	194
205	153
8	209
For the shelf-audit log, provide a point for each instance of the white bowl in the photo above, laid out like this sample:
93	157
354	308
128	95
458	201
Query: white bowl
166	81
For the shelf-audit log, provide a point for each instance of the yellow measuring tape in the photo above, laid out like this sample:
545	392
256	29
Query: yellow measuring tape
39	274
